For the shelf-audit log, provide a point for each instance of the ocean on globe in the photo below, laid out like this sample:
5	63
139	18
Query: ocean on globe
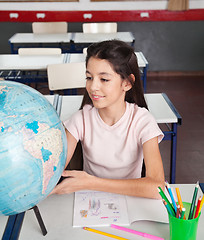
33	147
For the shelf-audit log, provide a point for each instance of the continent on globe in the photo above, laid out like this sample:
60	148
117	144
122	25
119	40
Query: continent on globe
43	143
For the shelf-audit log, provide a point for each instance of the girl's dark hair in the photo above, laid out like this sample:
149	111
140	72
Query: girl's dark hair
124	62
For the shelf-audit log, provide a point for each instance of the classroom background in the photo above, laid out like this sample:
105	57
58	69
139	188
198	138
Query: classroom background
175	52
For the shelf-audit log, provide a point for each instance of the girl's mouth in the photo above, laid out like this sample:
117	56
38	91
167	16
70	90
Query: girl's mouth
96	97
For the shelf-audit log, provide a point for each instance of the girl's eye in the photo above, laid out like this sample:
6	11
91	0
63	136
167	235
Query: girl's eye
104	80
88	78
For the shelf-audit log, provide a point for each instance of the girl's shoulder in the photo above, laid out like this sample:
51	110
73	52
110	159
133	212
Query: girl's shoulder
133	107
139	113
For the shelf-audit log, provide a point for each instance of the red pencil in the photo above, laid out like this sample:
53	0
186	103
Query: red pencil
198	207
178	211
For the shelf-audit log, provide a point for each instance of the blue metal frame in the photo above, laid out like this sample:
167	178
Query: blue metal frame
24	76
66	47
202	186
144	78
172	135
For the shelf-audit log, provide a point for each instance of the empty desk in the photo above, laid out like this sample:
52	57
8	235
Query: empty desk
11	65
83	40
68	42
165	113
61	40
27	69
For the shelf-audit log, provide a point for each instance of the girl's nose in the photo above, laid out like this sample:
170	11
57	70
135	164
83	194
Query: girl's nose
95	85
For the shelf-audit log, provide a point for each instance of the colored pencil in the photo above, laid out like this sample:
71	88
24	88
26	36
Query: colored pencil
162	194
178	211
170	211
104	233
171	196
201	204
198	207
182	212
166	186
179	200
191	212
175	198
146	235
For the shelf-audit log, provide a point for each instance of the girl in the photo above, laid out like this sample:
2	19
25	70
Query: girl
115	128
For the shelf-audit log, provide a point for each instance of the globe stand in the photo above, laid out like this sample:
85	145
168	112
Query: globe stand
15	222
40	220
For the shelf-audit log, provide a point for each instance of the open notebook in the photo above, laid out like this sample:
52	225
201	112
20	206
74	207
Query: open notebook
92	208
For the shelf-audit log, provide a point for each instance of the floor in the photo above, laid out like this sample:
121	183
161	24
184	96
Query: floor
187	95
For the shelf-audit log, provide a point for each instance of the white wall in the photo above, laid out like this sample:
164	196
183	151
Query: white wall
88	5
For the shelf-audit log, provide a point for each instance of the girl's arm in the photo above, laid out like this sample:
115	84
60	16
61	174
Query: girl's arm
71	146
141	187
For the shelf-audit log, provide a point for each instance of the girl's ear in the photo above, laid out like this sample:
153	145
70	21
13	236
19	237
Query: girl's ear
127	82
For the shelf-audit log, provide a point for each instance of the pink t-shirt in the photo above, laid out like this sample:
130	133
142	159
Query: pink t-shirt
113	151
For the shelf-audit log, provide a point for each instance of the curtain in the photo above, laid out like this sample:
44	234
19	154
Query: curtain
178	5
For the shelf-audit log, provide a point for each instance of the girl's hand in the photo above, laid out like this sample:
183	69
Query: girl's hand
74	181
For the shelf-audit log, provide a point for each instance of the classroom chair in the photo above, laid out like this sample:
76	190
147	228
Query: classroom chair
66	76
40	74
108	27
39	51
85	51
49	27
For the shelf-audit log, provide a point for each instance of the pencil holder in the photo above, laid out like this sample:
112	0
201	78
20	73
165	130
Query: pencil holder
181	228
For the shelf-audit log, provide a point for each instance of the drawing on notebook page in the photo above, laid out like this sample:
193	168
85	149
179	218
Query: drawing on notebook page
93	208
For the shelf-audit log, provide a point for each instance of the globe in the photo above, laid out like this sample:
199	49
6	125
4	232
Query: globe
33	147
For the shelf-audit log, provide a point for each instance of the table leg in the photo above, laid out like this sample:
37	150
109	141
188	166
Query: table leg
173	153
145	78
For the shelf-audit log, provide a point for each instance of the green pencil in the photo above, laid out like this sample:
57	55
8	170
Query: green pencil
168	208
162	194
190	216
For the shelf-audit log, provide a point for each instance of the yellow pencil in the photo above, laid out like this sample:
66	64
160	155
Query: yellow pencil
179	199
103	233
201	204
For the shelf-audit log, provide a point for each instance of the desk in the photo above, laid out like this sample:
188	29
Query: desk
61	40
68	42
164	112
27	69
83	40
160	107
57	212
11	65
28	62
54	100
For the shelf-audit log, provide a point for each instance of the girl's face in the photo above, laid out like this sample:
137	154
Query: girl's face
104	86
